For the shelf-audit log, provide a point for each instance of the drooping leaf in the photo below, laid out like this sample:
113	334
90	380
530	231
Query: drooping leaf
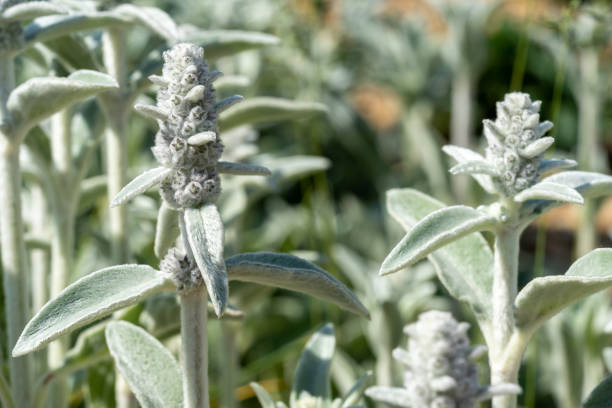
267	109
601	396
242	169
293	273
461	154
72	51
464	266
166	231
39	98
156	20
30	10
221	43
434	231
544	297
148	367
588	184
312	373
547	166
140	184
264	398
88	299
206	237
547	190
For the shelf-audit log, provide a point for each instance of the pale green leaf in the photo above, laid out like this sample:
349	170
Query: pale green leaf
206	237
399	397
293	273
546	190
231	82
30	10
151	371
434	231
464	266
474	167
88	299
222	43
312	373
544	297
242	169
537	147
547	166
267	109
156	20
356	392
263	397
601	396
166	231
588	184
462	155
39	98
140	184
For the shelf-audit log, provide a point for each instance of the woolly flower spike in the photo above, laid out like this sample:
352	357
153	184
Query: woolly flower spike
183	270
440	369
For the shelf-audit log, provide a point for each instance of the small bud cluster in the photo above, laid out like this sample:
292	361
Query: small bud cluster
515	143
11	33
188	140
183	270
440	369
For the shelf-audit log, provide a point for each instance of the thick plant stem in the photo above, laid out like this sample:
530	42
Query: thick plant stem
115	110
14	264
194	353
461	123
505	276
589	105
62	235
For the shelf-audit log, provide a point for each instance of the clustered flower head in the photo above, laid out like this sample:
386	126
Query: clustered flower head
515	143
188	140
440	368
183	270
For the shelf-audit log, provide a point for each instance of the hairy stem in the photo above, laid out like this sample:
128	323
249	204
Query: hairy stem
14	264
461	123
505	277
194	353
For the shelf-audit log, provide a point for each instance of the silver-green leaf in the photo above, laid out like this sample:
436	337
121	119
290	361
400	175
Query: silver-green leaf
88	299
151	371
242	169
30	10
221	43
206	238
156	20
461	154
312	373
544	297
140	184
434	231
474	167
547	190
588	184
166	230
293	273
267	109
264	398
547	166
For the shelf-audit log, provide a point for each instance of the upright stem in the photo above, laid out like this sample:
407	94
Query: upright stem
194	352
14	264
461	122
115	111
505	276
62	235
588	130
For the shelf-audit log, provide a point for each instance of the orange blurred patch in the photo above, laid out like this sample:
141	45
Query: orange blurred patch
380	106
567	217
415	8
530	9
603	219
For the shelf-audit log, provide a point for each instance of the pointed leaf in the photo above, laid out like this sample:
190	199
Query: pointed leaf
395	396
88	299
39	98
151	111
601	396
434	231
221	43
30	10
465	266
461	154
546	190
140	184
263	397
353	396
227	102
312	373
588	184
544	297
547	166
266	109
166	231
474	167
242	169
148	367
205	234
153	18
290	272
537	147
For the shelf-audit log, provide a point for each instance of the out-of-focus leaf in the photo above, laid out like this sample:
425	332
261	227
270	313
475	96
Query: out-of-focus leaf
556	164
293	273
266	109
50	27
88	299
356	393
312	373
148	367
394	396
205	233
242	169
140	184
30	10
222	43
263	397
72	51
153	18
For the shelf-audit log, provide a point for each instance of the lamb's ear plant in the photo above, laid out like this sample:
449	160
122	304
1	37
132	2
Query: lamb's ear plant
188	148
311	382
512	169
